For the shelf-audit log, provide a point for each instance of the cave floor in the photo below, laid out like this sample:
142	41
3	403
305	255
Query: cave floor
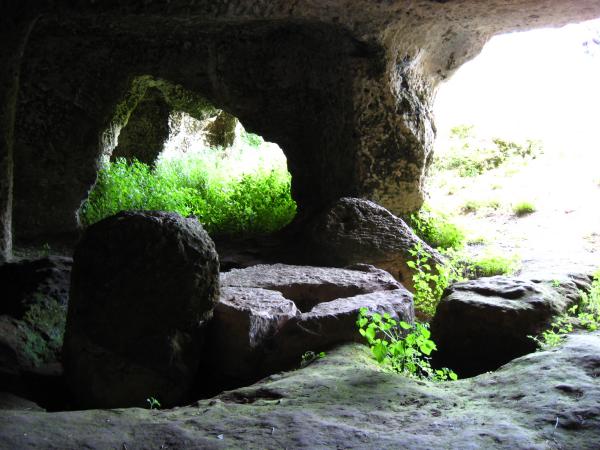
545	400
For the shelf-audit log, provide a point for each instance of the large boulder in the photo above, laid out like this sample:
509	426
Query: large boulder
482	324
355	230
143	284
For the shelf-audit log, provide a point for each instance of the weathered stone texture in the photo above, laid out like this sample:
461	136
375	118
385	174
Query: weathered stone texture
355	231
484	323
345	87
147	129
540	401
143	285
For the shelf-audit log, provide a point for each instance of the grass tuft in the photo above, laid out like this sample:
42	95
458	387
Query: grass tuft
523	208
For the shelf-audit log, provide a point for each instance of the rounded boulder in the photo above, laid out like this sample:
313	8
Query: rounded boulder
143	285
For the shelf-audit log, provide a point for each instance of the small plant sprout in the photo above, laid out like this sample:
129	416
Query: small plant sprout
153	402
584	315
309	357
400	346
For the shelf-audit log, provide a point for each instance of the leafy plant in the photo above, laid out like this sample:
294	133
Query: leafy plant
436	229
400	346
429	283
309	357
153	402
256	203
583	315
523	208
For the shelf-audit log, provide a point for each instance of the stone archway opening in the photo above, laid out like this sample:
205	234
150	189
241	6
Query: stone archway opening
517	149
170	149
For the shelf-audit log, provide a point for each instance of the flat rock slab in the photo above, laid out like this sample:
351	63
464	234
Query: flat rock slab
332	323
307	286
346	401
258	330
481	324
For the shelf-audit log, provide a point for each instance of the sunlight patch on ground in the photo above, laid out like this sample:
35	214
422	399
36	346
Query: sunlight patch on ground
541	84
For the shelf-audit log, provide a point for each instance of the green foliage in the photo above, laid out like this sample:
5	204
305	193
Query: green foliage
252	140
429	284
44	327
400	346
490	265
153	402
470	156
523	208
309	357
435	229
256	203
585	315
473	206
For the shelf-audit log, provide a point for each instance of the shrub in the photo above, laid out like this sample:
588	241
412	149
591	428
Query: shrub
256	203
435	229
400	346
523	208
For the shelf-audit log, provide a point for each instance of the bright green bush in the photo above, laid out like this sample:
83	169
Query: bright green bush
523	208
256	203
436	229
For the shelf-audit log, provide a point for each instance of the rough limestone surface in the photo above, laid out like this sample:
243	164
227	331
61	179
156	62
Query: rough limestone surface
147	129
481	324
355	230
344	87
545	400
307	286
221	131
244	318
258	327
143	284
11	401
331	323
33	310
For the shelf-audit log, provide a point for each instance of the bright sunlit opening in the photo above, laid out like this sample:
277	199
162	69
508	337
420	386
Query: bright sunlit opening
540	84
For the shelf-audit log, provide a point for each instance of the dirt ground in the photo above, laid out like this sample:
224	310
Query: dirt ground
563	234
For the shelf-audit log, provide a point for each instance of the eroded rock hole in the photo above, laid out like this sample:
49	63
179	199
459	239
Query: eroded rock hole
169	149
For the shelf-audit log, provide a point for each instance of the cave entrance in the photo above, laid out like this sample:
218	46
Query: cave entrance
169	149
517	151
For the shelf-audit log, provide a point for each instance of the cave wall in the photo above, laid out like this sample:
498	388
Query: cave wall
344	87
146	131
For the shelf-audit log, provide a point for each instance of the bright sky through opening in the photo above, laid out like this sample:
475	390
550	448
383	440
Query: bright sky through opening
541	84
